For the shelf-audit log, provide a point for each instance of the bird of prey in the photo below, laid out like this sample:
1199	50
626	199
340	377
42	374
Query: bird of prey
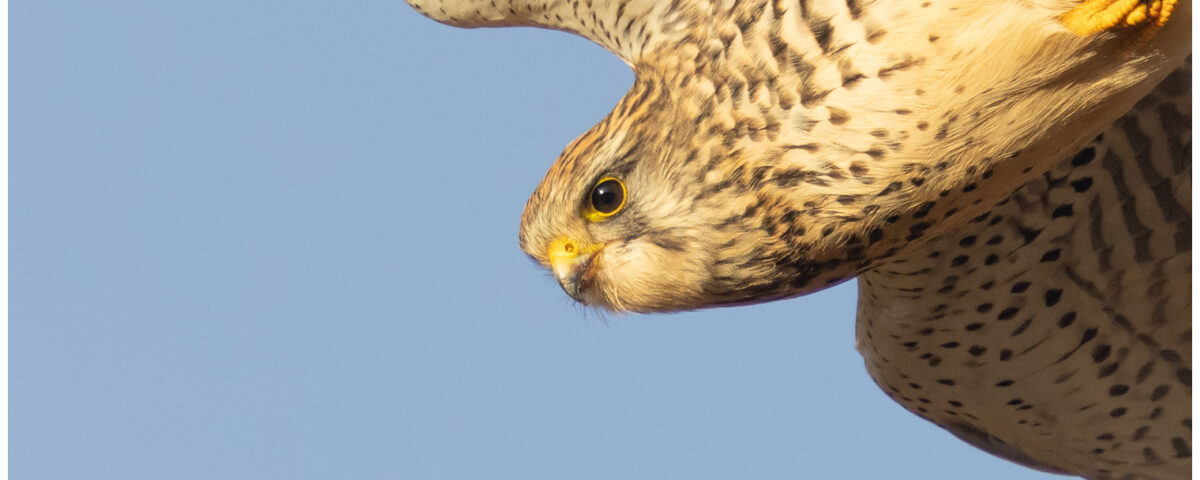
1010	180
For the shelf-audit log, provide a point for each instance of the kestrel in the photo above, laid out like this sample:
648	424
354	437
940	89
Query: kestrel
1010	180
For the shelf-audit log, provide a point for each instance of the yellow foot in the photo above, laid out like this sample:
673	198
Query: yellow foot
1096	16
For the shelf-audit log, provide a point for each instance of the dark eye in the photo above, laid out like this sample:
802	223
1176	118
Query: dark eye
608	196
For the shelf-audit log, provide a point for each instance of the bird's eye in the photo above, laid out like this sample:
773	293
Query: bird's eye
608	196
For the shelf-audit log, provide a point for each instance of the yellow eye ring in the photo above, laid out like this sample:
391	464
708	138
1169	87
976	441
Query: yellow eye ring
606	199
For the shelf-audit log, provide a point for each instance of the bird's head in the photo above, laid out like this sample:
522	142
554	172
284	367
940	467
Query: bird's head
655	209
614	226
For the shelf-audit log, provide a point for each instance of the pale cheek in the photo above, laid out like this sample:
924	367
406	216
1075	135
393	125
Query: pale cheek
644	277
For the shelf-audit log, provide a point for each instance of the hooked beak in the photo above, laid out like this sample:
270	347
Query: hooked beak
572	265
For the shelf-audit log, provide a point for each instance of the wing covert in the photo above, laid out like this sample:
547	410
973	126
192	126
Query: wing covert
1057	327
626	28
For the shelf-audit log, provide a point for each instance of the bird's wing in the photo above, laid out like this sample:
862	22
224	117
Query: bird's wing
628	27
624	27
1058	324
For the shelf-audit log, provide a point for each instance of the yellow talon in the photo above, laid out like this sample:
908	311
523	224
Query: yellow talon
1095	16
1135	17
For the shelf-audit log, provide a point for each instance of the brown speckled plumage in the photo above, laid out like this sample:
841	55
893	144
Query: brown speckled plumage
771	149
1056	330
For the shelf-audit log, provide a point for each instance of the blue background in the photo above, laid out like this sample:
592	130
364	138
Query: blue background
278	240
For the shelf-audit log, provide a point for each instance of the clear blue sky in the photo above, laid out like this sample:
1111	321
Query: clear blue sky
278	240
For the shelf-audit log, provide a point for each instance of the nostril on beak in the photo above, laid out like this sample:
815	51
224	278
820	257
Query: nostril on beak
571	264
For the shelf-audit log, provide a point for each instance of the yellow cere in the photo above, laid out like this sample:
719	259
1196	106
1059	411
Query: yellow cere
563	251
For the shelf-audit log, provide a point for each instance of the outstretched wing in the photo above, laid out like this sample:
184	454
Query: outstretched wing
624	27
1056	329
